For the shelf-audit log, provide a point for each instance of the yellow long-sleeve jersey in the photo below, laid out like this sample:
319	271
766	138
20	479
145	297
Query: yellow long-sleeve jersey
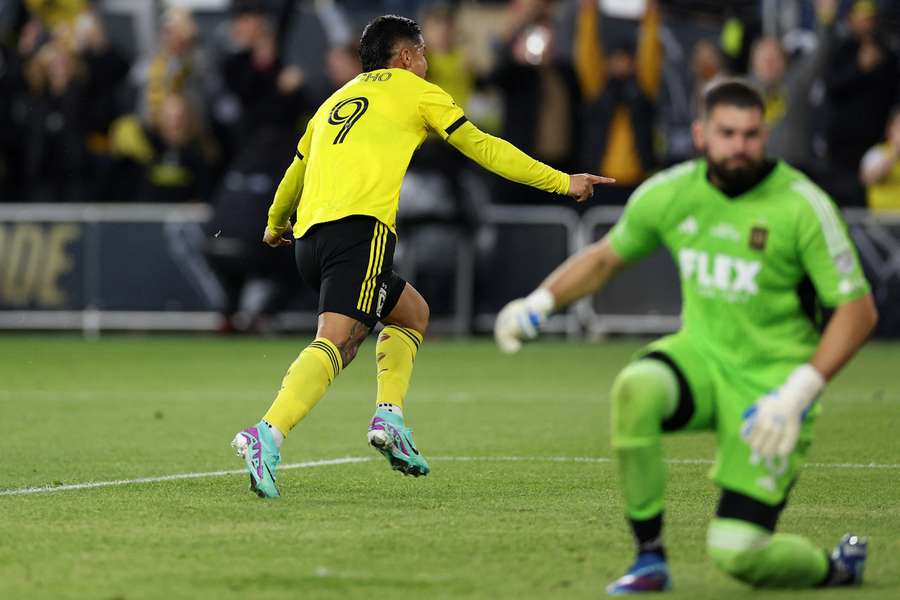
357	147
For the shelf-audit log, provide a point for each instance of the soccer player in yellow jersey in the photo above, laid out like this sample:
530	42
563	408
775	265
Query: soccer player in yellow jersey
343	186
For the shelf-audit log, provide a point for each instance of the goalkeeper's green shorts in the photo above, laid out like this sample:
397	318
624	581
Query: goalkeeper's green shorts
720	397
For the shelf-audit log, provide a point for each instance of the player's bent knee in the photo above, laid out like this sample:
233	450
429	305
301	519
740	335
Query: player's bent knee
736	547
422	318
639	395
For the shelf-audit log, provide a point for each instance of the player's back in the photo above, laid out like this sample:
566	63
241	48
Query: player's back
360	143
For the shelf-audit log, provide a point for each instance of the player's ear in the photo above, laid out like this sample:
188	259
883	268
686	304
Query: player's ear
405	57
697	132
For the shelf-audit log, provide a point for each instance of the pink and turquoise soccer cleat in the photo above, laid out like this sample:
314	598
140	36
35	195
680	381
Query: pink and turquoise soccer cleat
649	573
261	456
393	439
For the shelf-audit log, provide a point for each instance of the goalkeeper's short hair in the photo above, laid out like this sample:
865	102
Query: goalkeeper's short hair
732	91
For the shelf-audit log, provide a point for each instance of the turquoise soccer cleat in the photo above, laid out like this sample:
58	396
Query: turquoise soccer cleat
393	439
261	456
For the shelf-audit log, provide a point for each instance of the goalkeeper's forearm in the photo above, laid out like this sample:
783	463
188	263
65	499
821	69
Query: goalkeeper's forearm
504	159
583	274
847	330
287	197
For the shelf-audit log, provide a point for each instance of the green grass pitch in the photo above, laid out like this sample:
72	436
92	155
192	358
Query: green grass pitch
507	521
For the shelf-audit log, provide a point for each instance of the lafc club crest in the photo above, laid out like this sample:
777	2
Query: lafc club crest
758	238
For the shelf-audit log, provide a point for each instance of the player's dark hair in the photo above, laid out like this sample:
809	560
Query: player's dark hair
376	46
731	92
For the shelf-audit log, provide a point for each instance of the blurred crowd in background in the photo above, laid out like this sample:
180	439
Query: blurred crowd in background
211	109
202	101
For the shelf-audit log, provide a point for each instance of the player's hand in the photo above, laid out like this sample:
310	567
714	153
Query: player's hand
521	319
581	186
772	425
275	240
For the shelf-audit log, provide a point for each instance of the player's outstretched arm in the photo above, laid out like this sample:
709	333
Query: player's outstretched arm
287	197
581	275
500	157
774	426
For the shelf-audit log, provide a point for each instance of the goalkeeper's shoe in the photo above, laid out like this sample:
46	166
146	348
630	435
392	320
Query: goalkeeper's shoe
649	573
393	439
848	561
261	456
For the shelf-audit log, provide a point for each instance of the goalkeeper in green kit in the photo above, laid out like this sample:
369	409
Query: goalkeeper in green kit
762	254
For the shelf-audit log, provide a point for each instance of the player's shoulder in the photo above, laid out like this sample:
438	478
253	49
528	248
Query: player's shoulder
666	184
802	191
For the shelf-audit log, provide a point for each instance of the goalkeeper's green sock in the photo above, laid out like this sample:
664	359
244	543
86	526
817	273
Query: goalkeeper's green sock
644	394
755	556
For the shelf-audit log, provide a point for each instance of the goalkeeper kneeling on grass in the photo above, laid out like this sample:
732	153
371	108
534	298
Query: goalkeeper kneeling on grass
762	252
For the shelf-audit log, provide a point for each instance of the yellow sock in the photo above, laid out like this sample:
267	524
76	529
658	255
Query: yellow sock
395	354
304	384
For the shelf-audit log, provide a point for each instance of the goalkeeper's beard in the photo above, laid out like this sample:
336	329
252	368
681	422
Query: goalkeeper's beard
735	179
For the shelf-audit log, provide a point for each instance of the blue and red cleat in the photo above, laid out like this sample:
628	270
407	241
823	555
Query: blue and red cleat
848	560
649	573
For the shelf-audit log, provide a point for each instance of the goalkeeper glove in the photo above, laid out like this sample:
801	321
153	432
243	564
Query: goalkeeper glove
520	319
772	425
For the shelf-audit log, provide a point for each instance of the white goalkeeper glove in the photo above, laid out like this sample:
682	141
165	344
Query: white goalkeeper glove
520	319
772	425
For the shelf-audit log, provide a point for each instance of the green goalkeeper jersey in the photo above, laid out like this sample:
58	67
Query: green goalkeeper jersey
744	262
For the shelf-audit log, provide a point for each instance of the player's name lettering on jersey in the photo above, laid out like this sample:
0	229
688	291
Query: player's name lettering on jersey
719	271
383	76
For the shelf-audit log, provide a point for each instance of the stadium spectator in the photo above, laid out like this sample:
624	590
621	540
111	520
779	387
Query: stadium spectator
56	156
679	109
861	86
880	168
539	95
163	162
448	66
270	92
620	90
272	100
787	90
342	64
178	67
52	13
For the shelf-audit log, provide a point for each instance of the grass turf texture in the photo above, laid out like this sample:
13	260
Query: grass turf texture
123	408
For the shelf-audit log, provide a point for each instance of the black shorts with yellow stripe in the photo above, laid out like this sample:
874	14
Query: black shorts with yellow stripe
350	263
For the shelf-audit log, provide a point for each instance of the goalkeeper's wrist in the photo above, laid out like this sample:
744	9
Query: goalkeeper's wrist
540	302
803	385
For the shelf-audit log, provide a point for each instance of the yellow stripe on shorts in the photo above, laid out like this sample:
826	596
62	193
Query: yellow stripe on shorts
379	262
376	255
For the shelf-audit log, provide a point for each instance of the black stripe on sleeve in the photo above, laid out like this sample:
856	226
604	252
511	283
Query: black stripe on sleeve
456	125
300	156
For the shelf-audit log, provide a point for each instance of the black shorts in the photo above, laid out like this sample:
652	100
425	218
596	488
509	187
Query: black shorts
350	263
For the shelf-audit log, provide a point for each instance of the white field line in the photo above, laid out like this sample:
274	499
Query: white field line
100	484
362	459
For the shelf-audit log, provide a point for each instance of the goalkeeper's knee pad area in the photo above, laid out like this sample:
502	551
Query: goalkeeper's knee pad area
643	395
735	548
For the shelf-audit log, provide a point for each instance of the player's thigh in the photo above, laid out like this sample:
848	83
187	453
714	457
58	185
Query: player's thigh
695	410
356	265
737	468
410	310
